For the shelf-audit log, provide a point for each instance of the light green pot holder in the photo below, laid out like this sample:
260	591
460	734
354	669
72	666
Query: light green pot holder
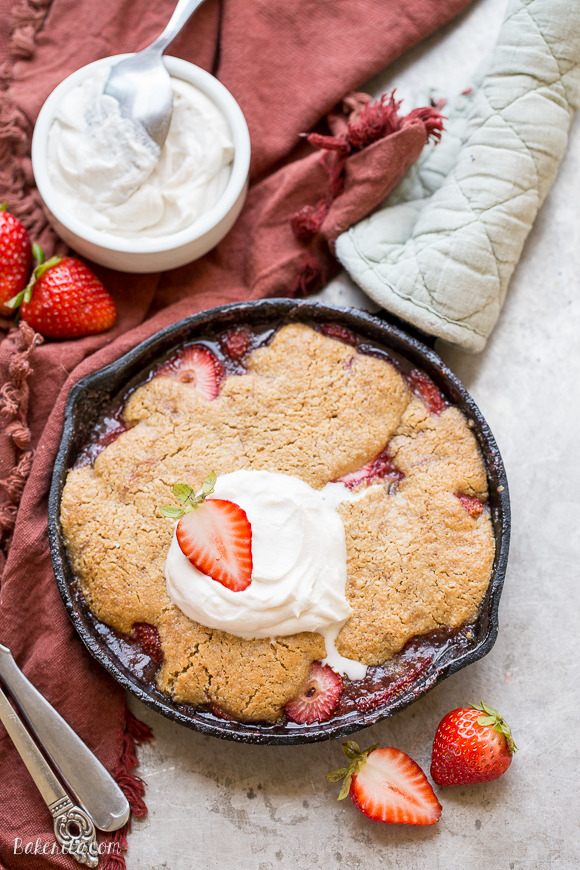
441	250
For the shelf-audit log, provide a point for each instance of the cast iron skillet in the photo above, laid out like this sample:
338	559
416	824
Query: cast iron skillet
89	400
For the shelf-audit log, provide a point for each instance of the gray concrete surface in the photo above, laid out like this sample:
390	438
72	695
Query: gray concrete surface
214	804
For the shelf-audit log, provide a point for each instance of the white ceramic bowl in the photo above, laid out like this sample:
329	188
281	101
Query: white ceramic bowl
143	253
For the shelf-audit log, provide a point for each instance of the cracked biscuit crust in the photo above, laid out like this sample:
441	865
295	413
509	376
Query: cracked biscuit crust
313	407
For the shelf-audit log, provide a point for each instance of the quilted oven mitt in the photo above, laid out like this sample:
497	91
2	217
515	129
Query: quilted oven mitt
441	250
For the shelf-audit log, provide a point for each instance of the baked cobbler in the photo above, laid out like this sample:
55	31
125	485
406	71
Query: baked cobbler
365	496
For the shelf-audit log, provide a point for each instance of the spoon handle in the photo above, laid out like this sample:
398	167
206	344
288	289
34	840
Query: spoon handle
85	776
73	829
181	14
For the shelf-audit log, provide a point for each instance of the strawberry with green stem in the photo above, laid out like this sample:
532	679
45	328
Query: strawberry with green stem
387	786
15	259
472	744
64	299
214	534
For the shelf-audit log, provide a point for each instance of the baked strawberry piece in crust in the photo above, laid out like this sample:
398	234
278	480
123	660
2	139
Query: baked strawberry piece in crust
148	639
379	468
423	387
319	697
473	505
197	367
236	342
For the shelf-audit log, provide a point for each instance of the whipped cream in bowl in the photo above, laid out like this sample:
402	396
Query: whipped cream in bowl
115	178
114	198
299	566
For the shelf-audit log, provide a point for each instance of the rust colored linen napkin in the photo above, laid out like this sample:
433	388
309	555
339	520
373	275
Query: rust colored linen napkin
291	70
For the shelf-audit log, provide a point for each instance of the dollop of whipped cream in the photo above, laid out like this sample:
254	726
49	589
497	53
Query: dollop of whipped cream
299	565
113	176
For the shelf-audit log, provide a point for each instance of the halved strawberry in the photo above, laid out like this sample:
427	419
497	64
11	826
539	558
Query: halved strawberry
319	697
379	468
195	365
387	785
423	387
237	342
148	639
473	505
217	539
214	534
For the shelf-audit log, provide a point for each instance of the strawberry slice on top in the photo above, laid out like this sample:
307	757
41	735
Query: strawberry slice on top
387	786
216	538
214	534
196	366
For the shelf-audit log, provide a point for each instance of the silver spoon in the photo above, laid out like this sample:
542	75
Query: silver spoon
141	83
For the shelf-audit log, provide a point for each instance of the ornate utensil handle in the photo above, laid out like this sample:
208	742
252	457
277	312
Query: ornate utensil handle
73	828
74	831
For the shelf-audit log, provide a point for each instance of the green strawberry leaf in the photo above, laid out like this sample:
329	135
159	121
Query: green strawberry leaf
486	720
351	749
337	775
16	301
38	253
182	492
345	788
209	483
186	496
171	511
494	720
43	266
358	759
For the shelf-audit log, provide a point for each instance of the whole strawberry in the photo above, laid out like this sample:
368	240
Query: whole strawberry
64	299
472	744
15	259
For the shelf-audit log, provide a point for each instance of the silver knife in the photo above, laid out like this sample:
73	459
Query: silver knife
73	829
81	771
